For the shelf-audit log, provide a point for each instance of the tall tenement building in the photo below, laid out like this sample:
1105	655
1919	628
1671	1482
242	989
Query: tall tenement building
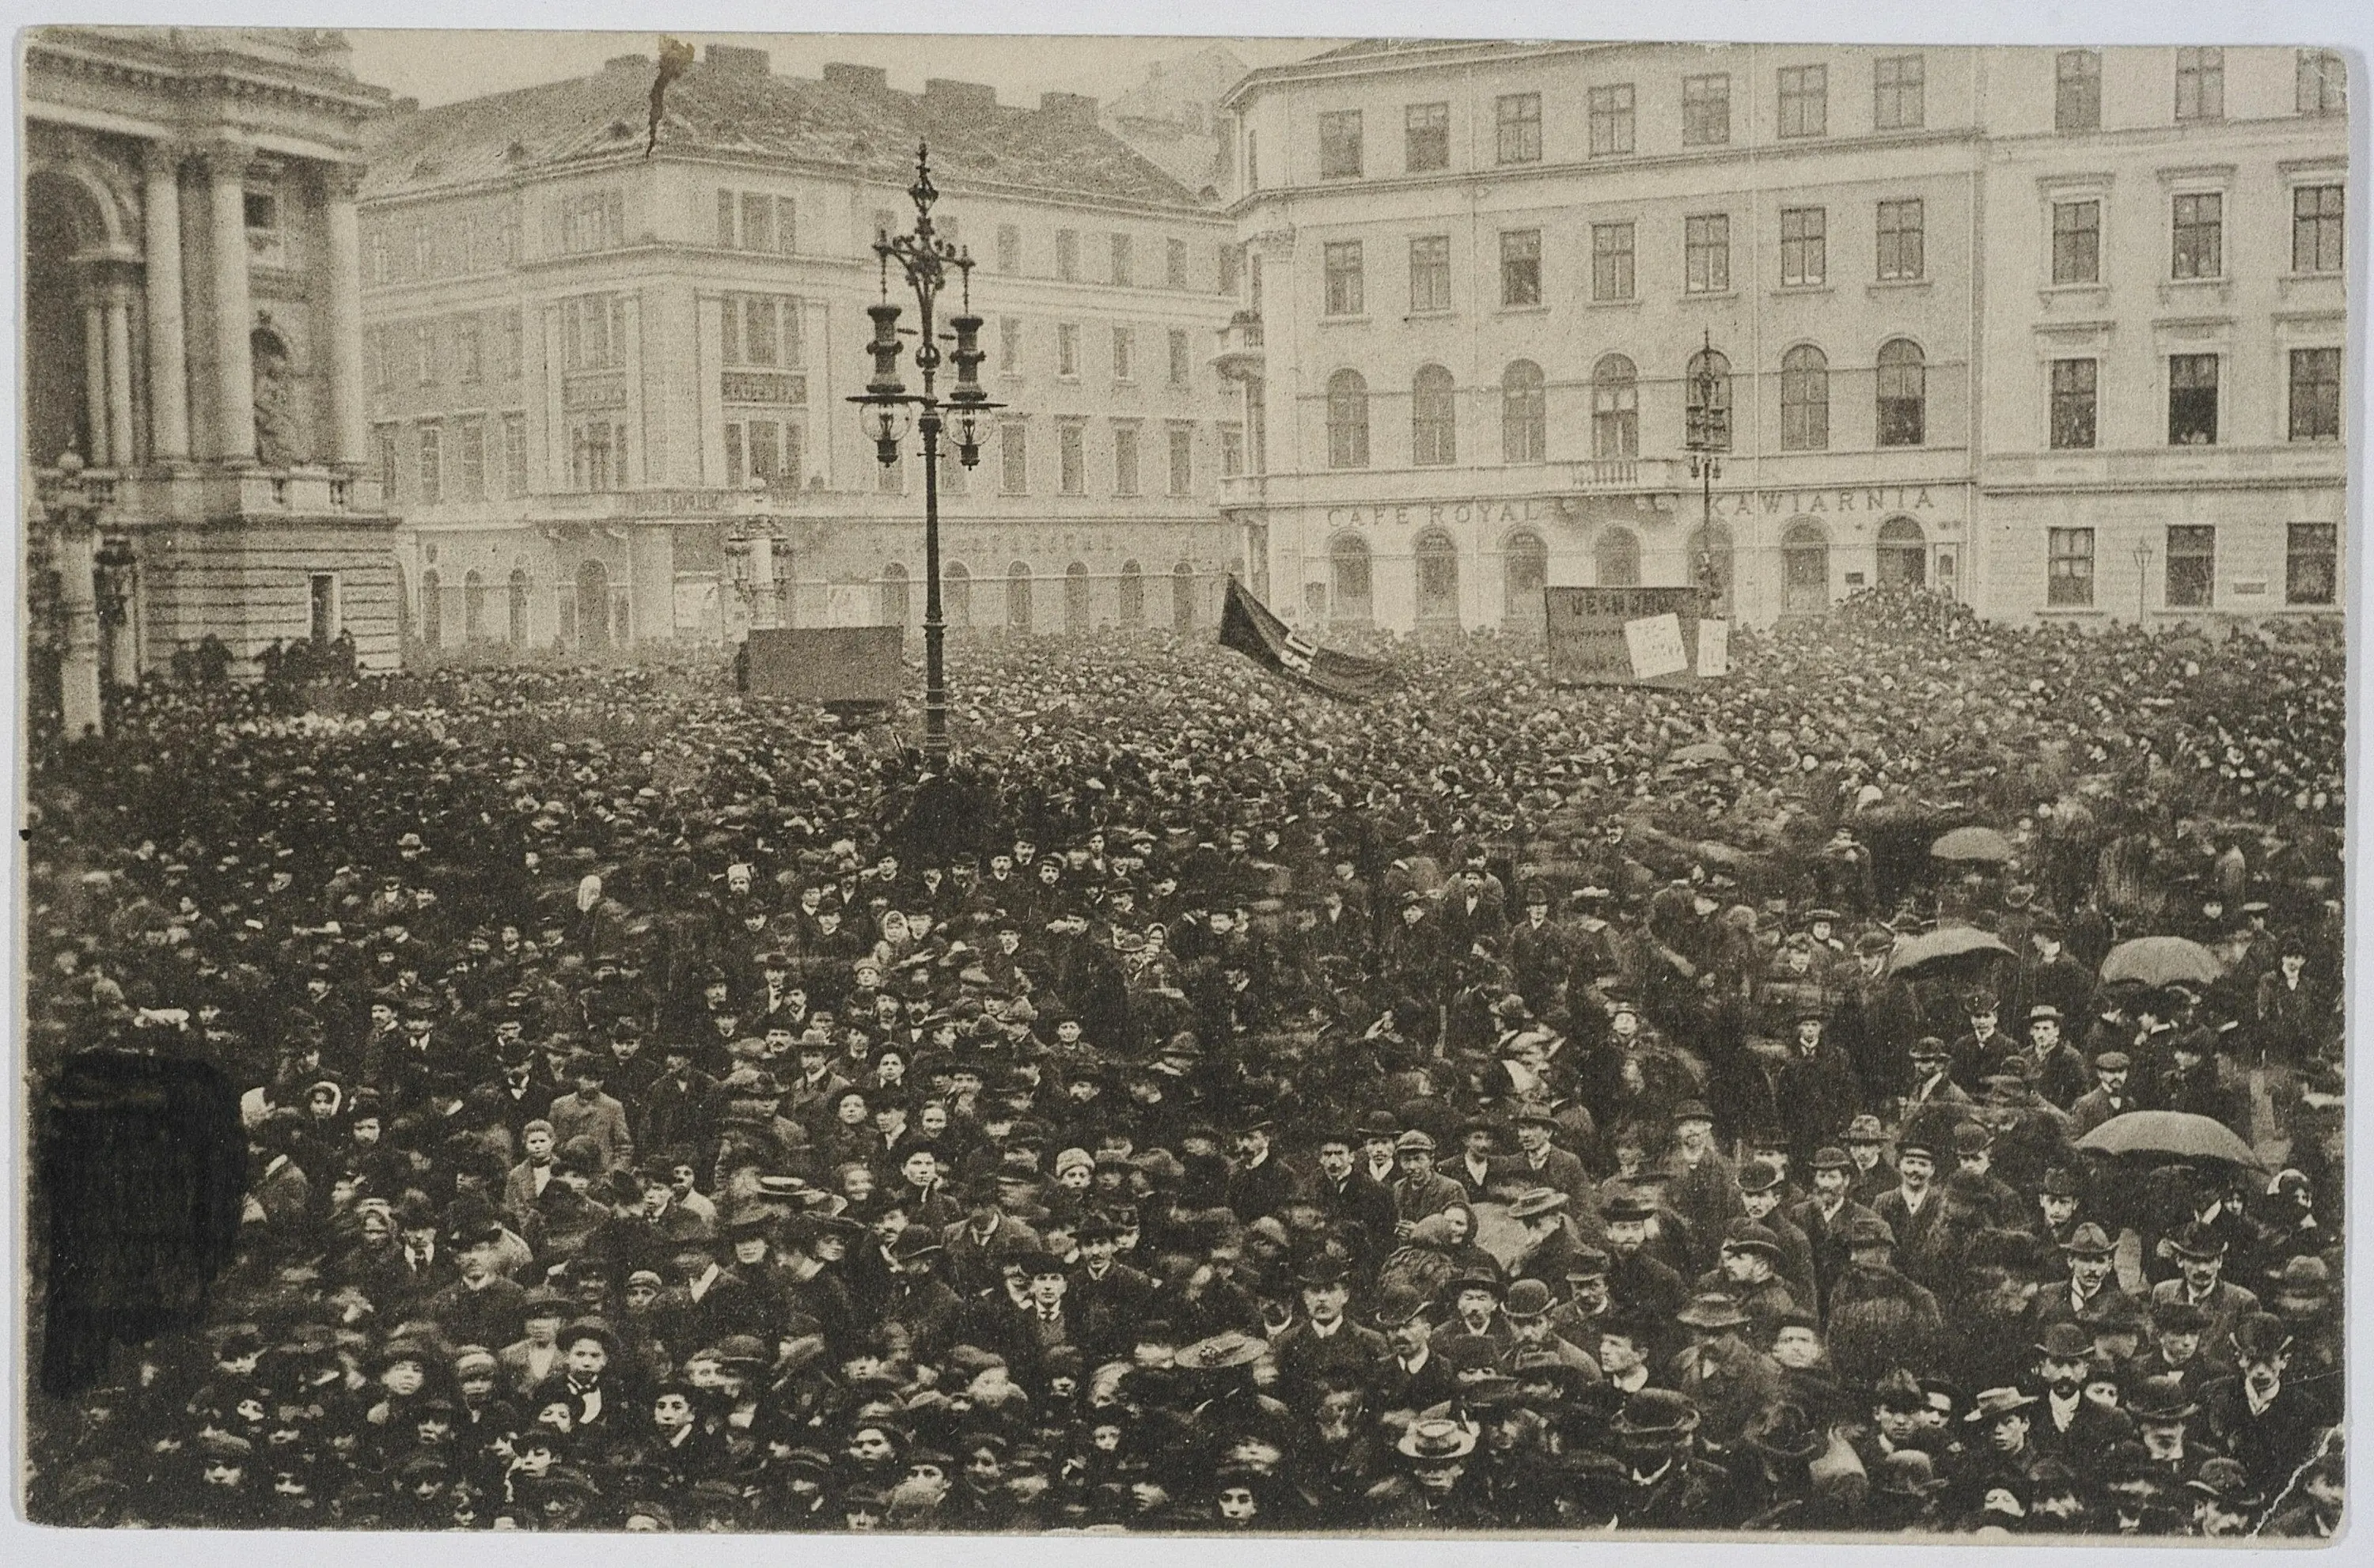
2058	333
605	380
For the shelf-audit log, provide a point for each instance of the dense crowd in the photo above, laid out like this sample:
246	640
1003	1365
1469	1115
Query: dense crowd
1492	1106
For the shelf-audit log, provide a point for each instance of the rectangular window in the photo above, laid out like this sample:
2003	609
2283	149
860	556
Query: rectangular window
592	220
1520	267
2200	84
2069	567
1898	85
1611	261
1519	117
375	258
1611	120
424	250
1233	452
1013	458
1425	137
1124	346
758	221
1125	460
787	225
2192	566
1804	246
2077	90
469	352
508	235
737	468
1009	248
1706	253
1071	453
384	439
1183	460
424	353
2321	84
1232	266
2200	236
1805	100
2311	564
1067	254
1429	273
2076	241
1067	350
593	332
2192	400
1009	345
470	451
514	454
1181	365
1121	262
1339	144
1706	111
1174	264
1344	295
2073	385
432	465
1902	249
726	231
514	345
2316	228
2316	394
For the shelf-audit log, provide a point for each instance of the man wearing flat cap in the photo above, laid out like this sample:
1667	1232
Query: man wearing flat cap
1419	1190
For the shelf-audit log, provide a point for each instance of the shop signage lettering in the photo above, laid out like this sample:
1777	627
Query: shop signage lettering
1542	508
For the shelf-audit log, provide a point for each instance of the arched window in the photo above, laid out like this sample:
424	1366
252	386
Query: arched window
1348	563
1805	568
1438	577
1617	555
894	594
1525	416
1903	553
473	607
1706	386
1614	408
1903	394
1077	617
1182	597
956	594
1710	564
518	617
1524	569
1804	399
1133	595
1347	420
433	608
1434	417
1018	596
593	605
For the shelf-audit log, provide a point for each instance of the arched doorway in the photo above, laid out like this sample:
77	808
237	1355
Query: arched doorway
473	607
62	221
894	594
1077	616
1903	553
1347	561
1018	596
1133	595
1438	581
1805	569
1525	569
1616	555
1182	597
592	606
1710	564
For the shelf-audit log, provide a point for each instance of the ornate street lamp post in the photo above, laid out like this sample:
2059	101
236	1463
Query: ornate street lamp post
925	261
1706	437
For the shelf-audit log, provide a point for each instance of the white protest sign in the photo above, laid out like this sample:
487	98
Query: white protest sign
1655	643
1714	647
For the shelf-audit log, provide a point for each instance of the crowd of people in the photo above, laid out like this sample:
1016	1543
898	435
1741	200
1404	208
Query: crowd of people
1492	1106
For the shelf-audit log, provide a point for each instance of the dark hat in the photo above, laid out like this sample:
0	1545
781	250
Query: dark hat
1657	1416
1527	1299
2303	1275
1417	1139
1321	1269
1476	1279
1692	1110
1231	1347
1713	1309
1929	1047
2066	1342
1379	1124
1759	1175
2044	1011
2197	1241
1865	1128
1908	1472
2178	1317
1789	1433
1628	1205
1753	1237
1870	1230
1972	1138
2162	1399
1586	1262
2088	1241
2226	1483
2261	1336
2112	1062
1830	1157
2059	1183
1397	1303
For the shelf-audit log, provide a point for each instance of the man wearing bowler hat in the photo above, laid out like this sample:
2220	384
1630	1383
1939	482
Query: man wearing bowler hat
2199	1255
1322	1343
2067	1423
1666	1485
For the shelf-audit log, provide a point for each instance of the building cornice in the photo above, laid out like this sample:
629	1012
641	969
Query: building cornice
117	65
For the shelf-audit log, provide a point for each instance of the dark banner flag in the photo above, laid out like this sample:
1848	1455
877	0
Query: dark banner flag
1246	626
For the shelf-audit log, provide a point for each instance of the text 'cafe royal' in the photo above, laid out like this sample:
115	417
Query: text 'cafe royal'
1882	499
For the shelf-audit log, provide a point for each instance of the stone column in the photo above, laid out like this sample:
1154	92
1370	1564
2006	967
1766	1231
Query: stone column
119	376
78	703
340	182
94	378
169	366
227	164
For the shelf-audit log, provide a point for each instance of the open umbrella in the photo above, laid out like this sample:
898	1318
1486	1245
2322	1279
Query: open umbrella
1972	844
1932	951
2175	1135
2161	960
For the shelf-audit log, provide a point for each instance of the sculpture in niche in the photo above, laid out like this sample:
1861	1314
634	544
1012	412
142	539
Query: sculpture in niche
279	442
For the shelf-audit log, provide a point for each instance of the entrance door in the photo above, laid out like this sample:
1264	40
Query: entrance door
1438	581
1805	569
1903	553
1527	568
592	606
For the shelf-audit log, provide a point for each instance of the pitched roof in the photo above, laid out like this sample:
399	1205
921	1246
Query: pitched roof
849	120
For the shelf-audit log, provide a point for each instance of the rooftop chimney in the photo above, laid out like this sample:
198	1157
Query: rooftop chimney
740	62
856	79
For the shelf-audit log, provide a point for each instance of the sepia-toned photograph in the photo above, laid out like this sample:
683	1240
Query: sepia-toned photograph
1215	786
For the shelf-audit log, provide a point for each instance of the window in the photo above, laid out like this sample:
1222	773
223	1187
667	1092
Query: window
473	607
1425	137
2200	231
2316	394
1614	408
1125	460
1706	252
597	455
1903	394
1232	451
1344	297
514	345
471	449
508	235
761	329
1182	460
1122	265
1805	100
433	466
2192	566
1434	417
1174	264
1347	420
1706	111
2311	562
2077	96
897	607
1124	347
593	332
424	250
757	222
1232	265
592	220
383	448
515	617
2192	400
1615	557
424	353
1013	458
2200	84
1705	388
2076	241
1071	458
1429	273
1009	248
2069	567
1179	358
432	608
1009	345
1804	399
1804	246
1067	254
1520	124
2073	391
2316	228
1339	144
1901	248
2322	83
375	257
1520	267
1611	120
1067	350
1611	261
514	454
764	450
469	352
1524	415
1898	82
1182	597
